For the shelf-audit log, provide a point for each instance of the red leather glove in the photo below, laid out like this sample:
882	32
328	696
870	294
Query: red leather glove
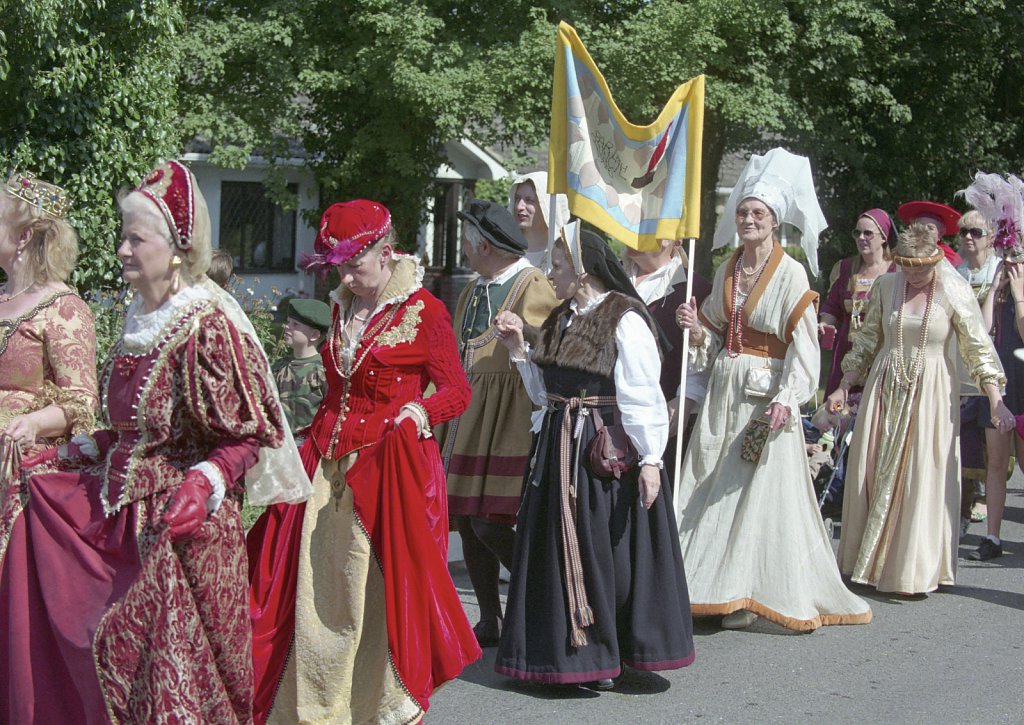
72	451
187	511
44	456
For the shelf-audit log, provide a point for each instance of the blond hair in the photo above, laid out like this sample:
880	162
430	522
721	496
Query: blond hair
916	241
974	218
52	248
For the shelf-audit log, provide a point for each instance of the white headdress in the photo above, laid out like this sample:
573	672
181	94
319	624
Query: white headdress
783	182
539	179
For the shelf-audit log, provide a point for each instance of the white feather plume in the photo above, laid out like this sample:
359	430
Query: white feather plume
1001	201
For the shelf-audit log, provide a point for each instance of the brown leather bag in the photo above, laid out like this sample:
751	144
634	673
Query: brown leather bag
611	453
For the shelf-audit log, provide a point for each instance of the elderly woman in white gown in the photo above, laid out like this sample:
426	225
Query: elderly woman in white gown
752	539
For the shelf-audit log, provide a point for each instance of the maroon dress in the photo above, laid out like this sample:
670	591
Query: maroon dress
106	618
847	299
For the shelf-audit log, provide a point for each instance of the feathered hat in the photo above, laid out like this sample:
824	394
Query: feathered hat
1001	201
346	229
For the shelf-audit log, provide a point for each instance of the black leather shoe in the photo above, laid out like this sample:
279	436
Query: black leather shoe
986	550
487	634
605	683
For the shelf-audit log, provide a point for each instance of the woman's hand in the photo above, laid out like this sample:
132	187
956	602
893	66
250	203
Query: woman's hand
1016	277
1000	279
24	430
415	414
1002	418
778	415
837	400
686	318
509	327
187	511
686	314
650	485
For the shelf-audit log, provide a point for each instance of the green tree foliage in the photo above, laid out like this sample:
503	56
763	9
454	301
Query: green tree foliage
88	99
370	90
891	100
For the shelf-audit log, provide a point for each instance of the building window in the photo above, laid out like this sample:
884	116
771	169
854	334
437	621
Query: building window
447	249
258	234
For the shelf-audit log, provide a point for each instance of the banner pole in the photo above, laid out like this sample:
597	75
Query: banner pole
552	210
684	365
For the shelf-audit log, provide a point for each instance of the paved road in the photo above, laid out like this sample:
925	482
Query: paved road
956	656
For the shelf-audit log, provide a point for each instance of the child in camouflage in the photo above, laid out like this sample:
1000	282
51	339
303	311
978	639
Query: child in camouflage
300	378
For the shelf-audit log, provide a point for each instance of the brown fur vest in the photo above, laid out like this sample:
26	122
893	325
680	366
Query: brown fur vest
589	343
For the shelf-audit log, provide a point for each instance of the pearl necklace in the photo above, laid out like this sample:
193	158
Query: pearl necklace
904	377
734	343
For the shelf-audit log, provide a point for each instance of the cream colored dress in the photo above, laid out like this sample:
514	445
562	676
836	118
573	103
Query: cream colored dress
751	534
902	500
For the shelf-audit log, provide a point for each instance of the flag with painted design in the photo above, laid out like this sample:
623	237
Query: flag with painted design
638	184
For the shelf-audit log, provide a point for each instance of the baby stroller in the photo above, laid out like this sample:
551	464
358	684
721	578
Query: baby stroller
833	433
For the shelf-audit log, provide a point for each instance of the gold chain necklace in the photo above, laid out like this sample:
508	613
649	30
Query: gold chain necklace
9	297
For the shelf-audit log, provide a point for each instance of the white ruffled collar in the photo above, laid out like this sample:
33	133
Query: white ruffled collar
406	277
574	306
143	330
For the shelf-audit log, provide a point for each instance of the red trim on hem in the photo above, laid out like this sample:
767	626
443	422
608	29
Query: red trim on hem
558	678
798	625
663	665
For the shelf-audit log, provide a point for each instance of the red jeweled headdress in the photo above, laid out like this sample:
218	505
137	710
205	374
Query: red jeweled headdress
170	187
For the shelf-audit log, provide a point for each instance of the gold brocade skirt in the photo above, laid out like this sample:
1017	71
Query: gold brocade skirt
339	670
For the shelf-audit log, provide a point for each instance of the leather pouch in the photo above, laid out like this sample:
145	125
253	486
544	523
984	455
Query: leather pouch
611	453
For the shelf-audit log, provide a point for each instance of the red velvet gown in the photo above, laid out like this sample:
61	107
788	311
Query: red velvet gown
103	617
375	486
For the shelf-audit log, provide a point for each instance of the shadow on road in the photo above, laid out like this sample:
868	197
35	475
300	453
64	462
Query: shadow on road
482	673
633	682
1013	600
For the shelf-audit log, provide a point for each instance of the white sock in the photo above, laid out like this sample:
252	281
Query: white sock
994	539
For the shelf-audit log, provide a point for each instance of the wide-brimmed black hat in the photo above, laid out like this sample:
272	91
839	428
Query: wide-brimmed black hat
496	224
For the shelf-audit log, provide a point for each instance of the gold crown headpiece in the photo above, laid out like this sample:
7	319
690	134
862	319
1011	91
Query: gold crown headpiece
47	198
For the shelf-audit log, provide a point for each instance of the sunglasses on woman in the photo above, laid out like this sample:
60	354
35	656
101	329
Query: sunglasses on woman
973	232
866	233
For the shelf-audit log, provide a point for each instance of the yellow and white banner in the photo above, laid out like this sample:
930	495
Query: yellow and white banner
636	183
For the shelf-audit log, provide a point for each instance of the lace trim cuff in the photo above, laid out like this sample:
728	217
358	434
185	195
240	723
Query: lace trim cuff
216	479
76	406
422	418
